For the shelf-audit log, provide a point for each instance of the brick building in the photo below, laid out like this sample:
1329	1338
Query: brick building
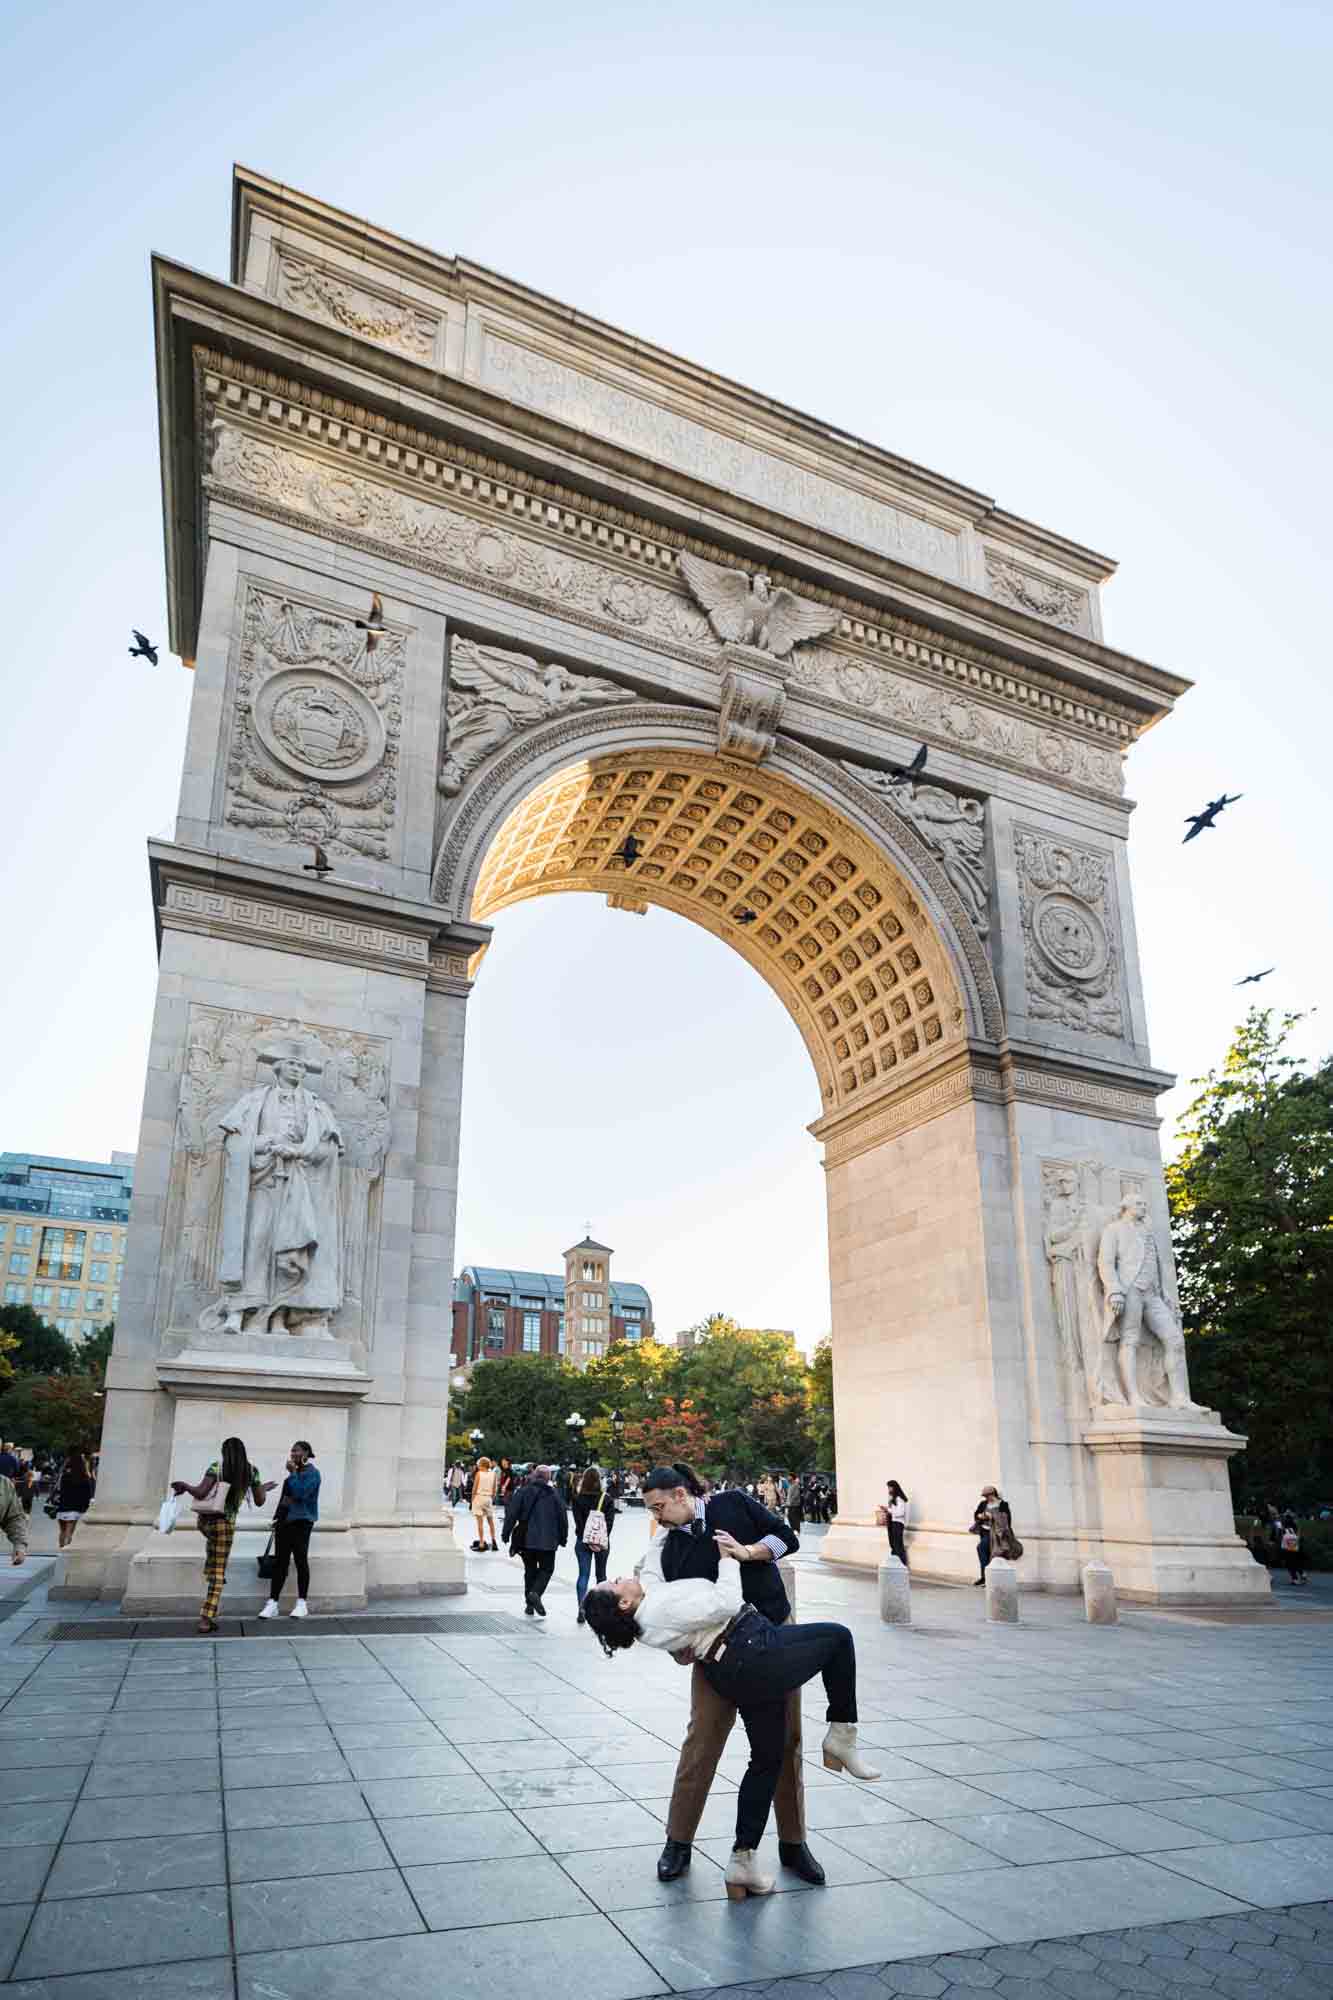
578	1313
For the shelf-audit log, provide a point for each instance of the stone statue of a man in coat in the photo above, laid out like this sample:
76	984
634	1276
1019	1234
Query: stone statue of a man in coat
280	1264
1130	1265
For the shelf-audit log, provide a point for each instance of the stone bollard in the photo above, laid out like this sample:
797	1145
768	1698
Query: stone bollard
1099	1594
787	1571
1001	1591
895	1592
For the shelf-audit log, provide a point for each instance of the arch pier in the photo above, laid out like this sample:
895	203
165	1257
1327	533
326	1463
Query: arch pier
622	600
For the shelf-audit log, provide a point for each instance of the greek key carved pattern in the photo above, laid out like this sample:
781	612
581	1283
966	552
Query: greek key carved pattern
276	923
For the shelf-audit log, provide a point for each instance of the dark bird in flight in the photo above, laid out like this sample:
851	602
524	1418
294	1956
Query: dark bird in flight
1253	978
902	772
142	649
628	851
1198	822
747	916
320	866
374	625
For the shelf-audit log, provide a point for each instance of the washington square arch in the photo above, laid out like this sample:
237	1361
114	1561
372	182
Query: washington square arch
622	597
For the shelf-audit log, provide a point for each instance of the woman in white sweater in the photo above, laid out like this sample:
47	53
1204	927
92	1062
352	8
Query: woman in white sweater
750	1662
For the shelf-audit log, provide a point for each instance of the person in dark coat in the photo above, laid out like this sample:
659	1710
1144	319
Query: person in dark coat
541	1514
691	1520
593	1495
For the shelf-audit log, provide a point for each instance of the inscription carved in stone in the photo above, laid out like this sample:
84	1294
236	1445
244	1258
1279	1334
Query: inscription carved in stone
314	749
952	828
1071	948
493	694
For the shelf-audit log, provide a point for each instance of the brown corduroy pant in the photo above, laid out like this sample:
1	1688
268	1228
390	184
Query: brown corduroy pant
711	1722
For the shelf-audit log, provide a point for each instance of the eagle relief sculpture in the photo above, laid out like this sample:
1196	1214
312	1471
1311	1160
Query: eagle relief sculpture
747	611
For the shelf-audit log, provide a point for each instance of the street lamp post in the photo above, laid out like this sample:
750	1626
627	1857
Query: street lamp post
474	1439
575	1425
618	1433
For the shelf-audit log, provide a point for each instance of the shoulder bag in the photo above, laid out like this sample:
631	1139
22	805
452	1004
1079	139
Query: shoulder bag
214	1502
596	1532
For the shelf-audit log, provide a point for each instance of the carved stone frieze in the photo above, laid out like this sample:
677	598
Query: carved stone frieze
315	727
607	410
1071	944
227	1056
952	828
220	912
943	714
354	305
1040	596
752	702
494	693
745	610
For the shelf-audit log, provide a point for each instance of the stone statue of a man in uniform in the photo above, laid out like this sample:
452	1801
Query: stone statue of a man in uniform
1129	1264
280	1264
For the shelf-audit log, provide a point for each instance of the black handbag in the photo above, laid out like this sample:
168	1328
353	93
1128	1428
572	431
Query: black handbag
268	1562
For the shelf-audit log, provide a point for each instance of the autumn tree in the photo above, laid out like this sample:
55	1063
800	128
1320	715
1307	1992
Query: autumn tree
675	1431
1251	1193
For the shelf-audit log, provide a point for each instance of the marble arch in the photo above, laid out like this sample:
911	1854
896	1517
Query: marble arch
622	593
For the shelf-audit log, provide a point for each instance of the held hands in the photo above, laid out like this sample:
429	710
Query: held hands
729	1546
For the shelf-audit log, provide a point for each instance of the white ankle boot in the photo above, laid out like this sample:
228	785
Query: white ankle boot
841	1753
743	1877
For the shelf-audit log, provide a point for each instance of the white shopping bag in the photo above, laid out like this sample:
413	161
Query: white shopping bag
169	1512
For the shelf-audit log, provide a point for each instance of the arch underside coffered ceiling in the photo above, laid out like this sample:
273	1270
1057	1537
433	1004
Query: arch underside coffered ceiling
803	895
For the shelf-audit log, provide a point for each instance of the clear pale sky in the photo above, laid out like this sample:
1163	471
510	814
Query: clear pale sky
1074	255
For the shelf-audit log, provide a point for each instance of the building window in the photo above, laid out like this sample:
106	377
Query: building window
19	1264
589	1271
62	1326
115	1302
69	1298
632	1332
596	1348
87	1328
62	1253
532	1333
42	1295
15	1294
560	1334
99	1272
592	1298
23	1232
120	1272
95	1302
102	1241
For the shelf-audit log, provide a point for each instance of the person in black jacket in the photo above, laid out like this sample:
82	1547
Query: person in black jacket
592	1496
675	1496
539	1512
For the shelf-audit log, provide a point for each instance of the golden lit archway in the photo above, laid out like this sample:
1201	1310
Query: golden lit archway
806	898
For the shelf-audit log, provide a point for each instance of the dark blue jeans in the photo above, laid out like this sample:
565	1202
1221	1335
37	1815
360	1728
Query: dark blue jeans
587	1559
759	1668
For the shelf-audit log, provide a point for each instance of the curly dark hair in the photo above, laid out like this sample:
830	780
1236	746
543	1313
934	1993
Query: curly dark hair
614	1629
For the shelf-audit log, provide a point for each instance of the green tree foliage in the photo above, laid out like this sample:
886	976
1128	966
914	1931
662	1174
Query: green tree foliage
821	1404
1251	1196
520	1403
632	1377
754	1386
676	1431
35	1347
92	1356
52	1412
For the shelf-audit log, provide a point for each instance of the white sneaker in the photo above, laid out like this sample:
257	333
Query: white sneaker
299	1609
270	1609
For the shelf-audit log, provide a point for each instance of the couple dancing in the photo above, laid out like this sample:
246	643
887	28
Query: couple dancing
732	1625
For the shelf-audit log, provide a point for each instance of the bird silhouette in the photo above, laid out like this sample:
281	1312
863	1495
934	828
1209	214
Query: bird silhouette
628	851
902	772
1253	978
142	649
1201	821
320	866
747	916
374	625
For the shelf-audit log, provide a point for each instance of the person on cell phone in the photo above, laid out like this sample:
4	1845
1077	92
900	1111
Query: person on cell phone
294	1520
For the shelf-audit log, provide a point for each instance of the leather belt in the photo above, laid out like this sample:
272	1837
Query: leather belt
729	1632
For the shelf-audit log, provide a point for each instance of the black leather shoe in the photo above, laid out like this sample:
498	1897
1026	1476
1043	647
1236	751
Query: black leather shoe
673	1860
539	1607
527	1607
797	1856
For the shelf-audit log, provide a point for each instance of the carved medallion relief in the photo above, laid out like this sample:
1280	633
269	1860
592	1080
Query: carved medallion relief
1072	957
317	716
232	1062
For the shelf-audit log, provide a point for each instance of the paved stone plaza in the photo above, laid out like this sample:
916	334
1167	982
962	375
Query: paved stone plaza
291	1814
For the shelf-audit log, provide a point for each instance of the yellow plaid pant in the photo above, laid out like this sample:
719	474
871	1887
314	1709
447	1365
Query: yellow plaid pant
219	1532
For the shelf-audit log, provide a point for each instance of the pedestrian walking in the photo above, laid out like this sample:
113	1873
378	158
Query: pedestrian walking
74	1495
504	1481
13	1521
980	1527
293	1524
754	1667
536	1526
594	1510
1292	1553
484	1482
896	1520
796	1506
217	1501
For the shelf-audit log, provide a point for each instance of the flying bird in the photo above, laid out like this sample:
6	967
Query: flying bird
747	916
900	773
1198	822
142	649
628	851
1253	978
374	625
320	866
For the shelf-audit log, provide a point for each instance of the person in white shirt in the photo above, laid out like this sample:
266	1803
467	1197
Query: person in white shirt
897	1512
751	1663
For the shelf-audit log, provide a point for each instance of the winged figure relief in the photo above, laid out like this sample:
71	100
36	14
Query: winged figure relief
747	611
493	692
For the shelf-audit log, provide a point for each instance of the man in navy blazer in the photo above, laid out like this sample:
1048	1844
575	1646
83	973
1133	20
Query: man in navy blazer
687	1547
